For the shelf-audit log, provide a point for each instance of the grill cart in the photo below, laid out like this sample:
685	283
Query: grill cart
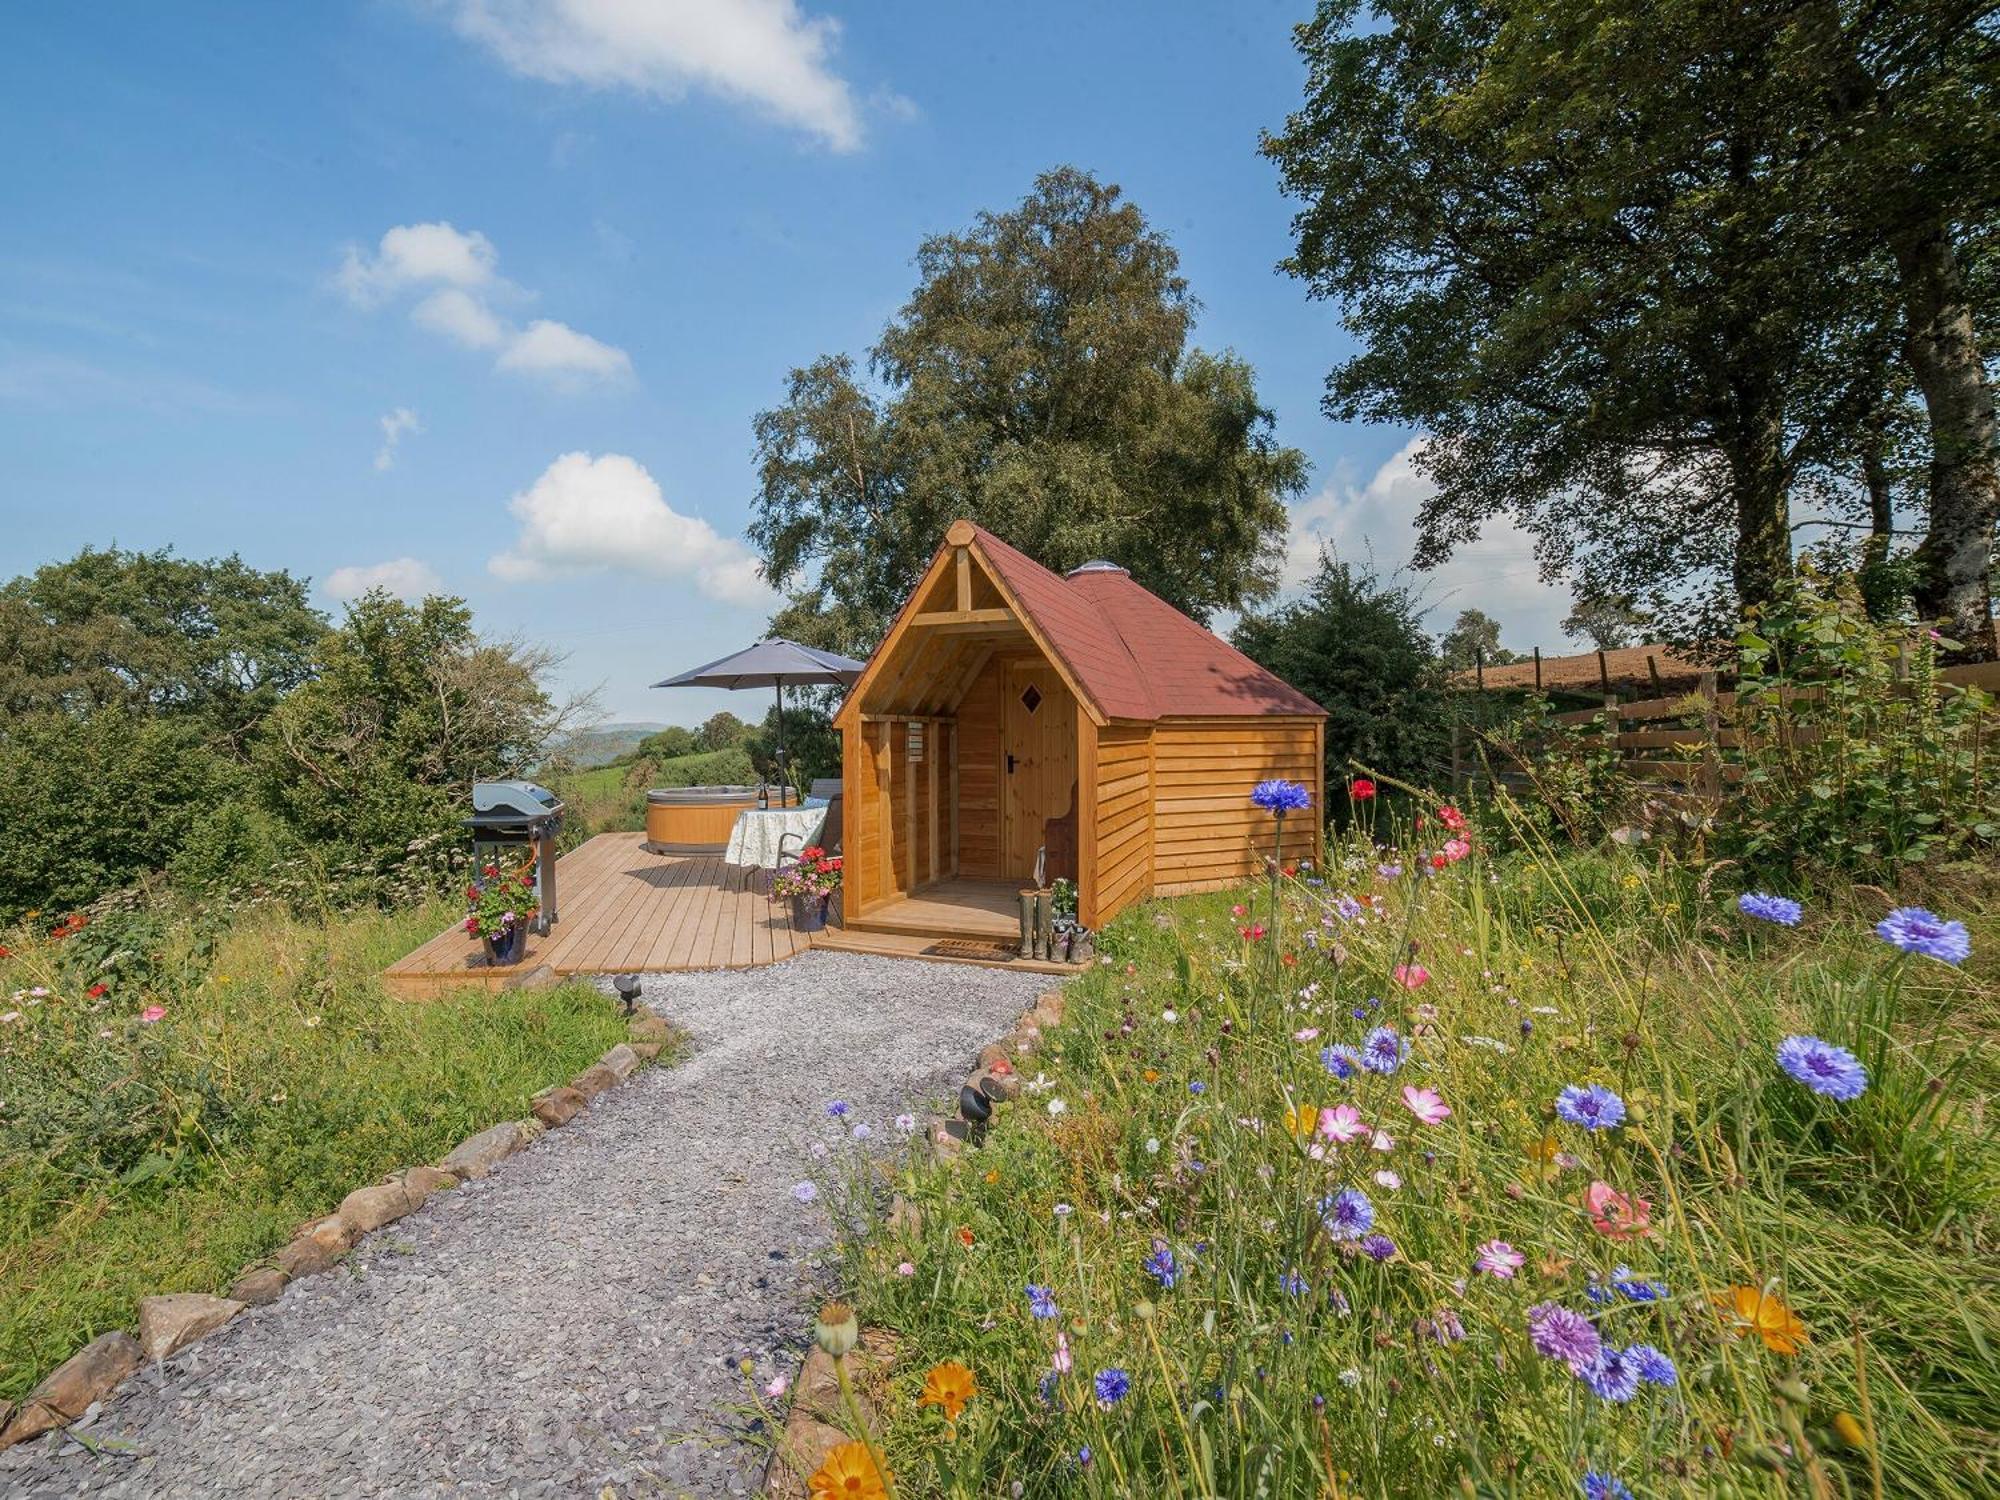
513	813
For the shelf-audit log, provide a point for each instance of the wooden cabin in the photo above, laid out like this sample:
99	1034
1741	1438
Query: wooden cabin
1012	712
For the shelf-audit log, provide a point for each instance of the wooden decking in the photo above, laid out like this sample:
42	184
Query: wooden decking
625	911
950	908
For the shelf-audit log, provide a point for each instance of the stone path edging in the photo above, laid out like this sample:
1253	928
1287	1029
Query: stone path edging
169	1322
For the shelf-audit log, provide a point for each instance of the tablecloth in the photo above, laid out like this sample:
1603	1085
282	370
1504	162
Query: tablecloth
753	842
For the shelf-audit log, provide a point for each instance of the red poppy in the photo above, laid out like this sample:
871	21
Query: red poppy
1290	870
1452	818
97	991
5	951
1438	861
965	1236
1290	960
1360	789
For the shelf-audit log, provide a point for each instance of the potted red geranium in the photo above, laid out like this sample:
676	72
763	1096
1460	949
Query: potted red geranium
810	885
500	907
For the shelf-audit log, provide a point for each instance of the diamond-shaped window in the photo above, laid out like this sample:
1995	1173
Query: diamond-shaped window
1032	698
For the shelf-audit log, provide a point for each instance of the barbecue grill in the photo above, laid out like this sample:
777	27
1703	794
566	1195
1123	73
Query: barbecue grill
519	812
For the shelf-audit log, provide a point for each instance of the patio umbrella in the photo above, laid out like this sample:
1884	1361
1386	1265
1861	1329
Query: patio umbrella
773	664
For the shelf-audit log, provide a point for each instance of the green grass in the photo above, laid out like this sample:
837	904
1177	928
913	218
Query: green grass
1872	1220
140	1158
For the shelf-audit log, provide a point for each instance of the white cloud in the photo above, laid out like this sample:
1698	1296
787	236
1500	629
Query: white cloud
416	255
1497	573
589	513
396	425
405	577
767	54
458	275
461	317
559	351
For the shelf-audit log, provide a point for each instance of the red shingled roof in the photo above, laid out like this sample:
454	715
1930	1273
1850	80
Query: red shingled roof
1134	654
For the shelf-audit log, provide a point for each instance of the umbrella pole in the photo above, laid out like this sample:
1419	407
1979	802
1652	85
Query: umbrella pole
782	782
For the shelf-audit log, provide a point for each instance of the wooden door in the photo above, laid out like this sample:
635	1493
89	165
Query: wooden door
1038	760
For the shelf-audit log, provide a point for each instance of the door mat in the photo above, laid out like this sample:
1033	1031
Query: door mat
995	953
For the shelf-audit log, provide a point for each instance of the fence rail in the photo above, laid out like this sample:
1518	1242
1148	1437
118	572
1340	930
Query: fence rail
1698	733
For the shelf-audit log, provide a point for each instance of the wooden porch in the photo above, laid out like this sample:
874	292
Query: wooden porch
625	911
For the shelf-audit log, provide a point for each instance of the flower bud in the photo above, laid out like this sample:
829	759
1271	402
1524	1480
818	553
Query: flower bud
837	1332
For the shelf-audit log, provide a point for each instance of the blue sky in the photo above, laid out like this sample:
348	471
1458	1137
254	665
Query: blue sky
483	294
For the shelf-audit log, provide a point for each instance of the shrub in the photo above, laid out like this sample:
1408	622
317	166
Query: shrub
1856	757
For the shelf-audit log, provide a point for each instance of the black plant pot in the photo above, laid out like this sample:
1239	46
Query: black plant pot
508	947
809	913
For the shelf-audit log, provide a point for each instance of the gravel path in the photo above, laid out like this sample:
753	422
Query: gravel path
575	1321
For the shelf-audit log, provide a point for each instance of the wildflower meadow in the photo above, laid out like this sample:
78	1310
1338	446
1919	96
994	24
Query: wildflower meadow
1426	1172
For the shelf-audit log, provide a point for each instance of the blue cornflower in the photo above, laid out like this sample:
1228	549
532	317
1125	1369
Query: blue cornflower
1635	1289
838	1109
1161	1264
1348	907
1383	1051
1042	1302
1768	908
1598	1486
1612	1376
1348	1214
1281	797
1594	1108
1654	1367
1292	1284
1559	1333
1379	1247
1823	1067
1341	1060
1111	1386
1915	930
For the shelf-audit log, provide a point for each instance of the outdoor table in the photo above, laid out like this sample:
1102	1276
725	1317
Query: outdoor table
753	842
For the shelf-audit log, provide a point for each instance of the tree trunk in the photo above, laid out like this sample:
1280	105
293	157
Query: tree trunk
1878	593
1758	482
1954	563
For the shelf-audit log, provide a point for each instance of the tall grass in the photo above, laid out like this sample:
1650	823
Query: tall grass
1178	1114
144	1156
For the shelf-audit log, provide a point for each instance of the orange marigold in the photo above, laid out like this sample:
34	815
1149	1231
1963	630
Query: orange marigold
949	1385
849	1473
1754	1310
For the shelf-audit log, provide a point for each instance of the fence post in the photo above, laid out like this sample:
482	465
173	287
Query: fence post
1603	673
1479	666
1711	724
1538	669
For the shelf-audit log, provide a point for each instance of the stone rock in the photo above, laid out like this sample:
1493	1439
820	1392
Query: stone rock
541	977
256	1288
594	1080
947	1138
423	1181
370	1208
316	1247
621	1060
558	1105
86	1376
801	1451
647	1051
1025	1039
1002	1088
647	1027
477	1156
992	1053
332	1231
1049	1009
177	1319
904	1216
818	1391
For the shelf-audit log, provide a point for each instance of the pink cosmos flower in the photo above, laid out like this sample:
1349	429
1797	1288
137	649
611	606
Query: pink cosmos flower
1411	976
1305	1033
1061	1360
1236	910
1498	1258
1341	1124
1426	1105
1456	849
906	1269
1383	1141
153	1013
1616	1216
1387	1179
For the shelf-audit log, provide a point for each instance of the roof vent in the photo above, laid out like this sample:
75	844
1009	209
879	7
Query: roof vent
1098	565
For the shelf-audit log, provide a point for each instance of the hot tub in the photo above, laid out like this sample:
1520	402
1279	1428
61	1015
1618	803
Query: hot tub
694	819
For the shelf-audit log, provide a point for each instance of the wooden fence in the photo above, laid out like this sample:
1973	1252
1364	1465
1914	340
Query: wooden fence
1679	741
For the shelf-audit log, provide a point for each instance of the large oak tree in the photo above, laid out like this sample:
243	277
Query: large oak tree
1040	381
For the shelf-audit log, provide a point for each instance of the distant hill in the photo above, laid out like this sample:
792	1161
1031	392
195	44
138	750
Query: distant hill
604	743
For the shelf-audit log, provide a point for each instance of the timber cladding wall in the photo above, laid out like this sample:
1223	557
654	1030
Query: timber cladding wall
979	775
1123	809
1206	832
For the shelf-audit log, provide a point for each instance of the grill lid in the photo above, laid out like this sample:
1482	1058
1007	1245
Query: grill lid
523	799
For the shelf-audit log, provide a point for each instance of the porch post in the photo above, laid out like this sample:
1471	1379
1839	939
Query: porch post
1086	820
